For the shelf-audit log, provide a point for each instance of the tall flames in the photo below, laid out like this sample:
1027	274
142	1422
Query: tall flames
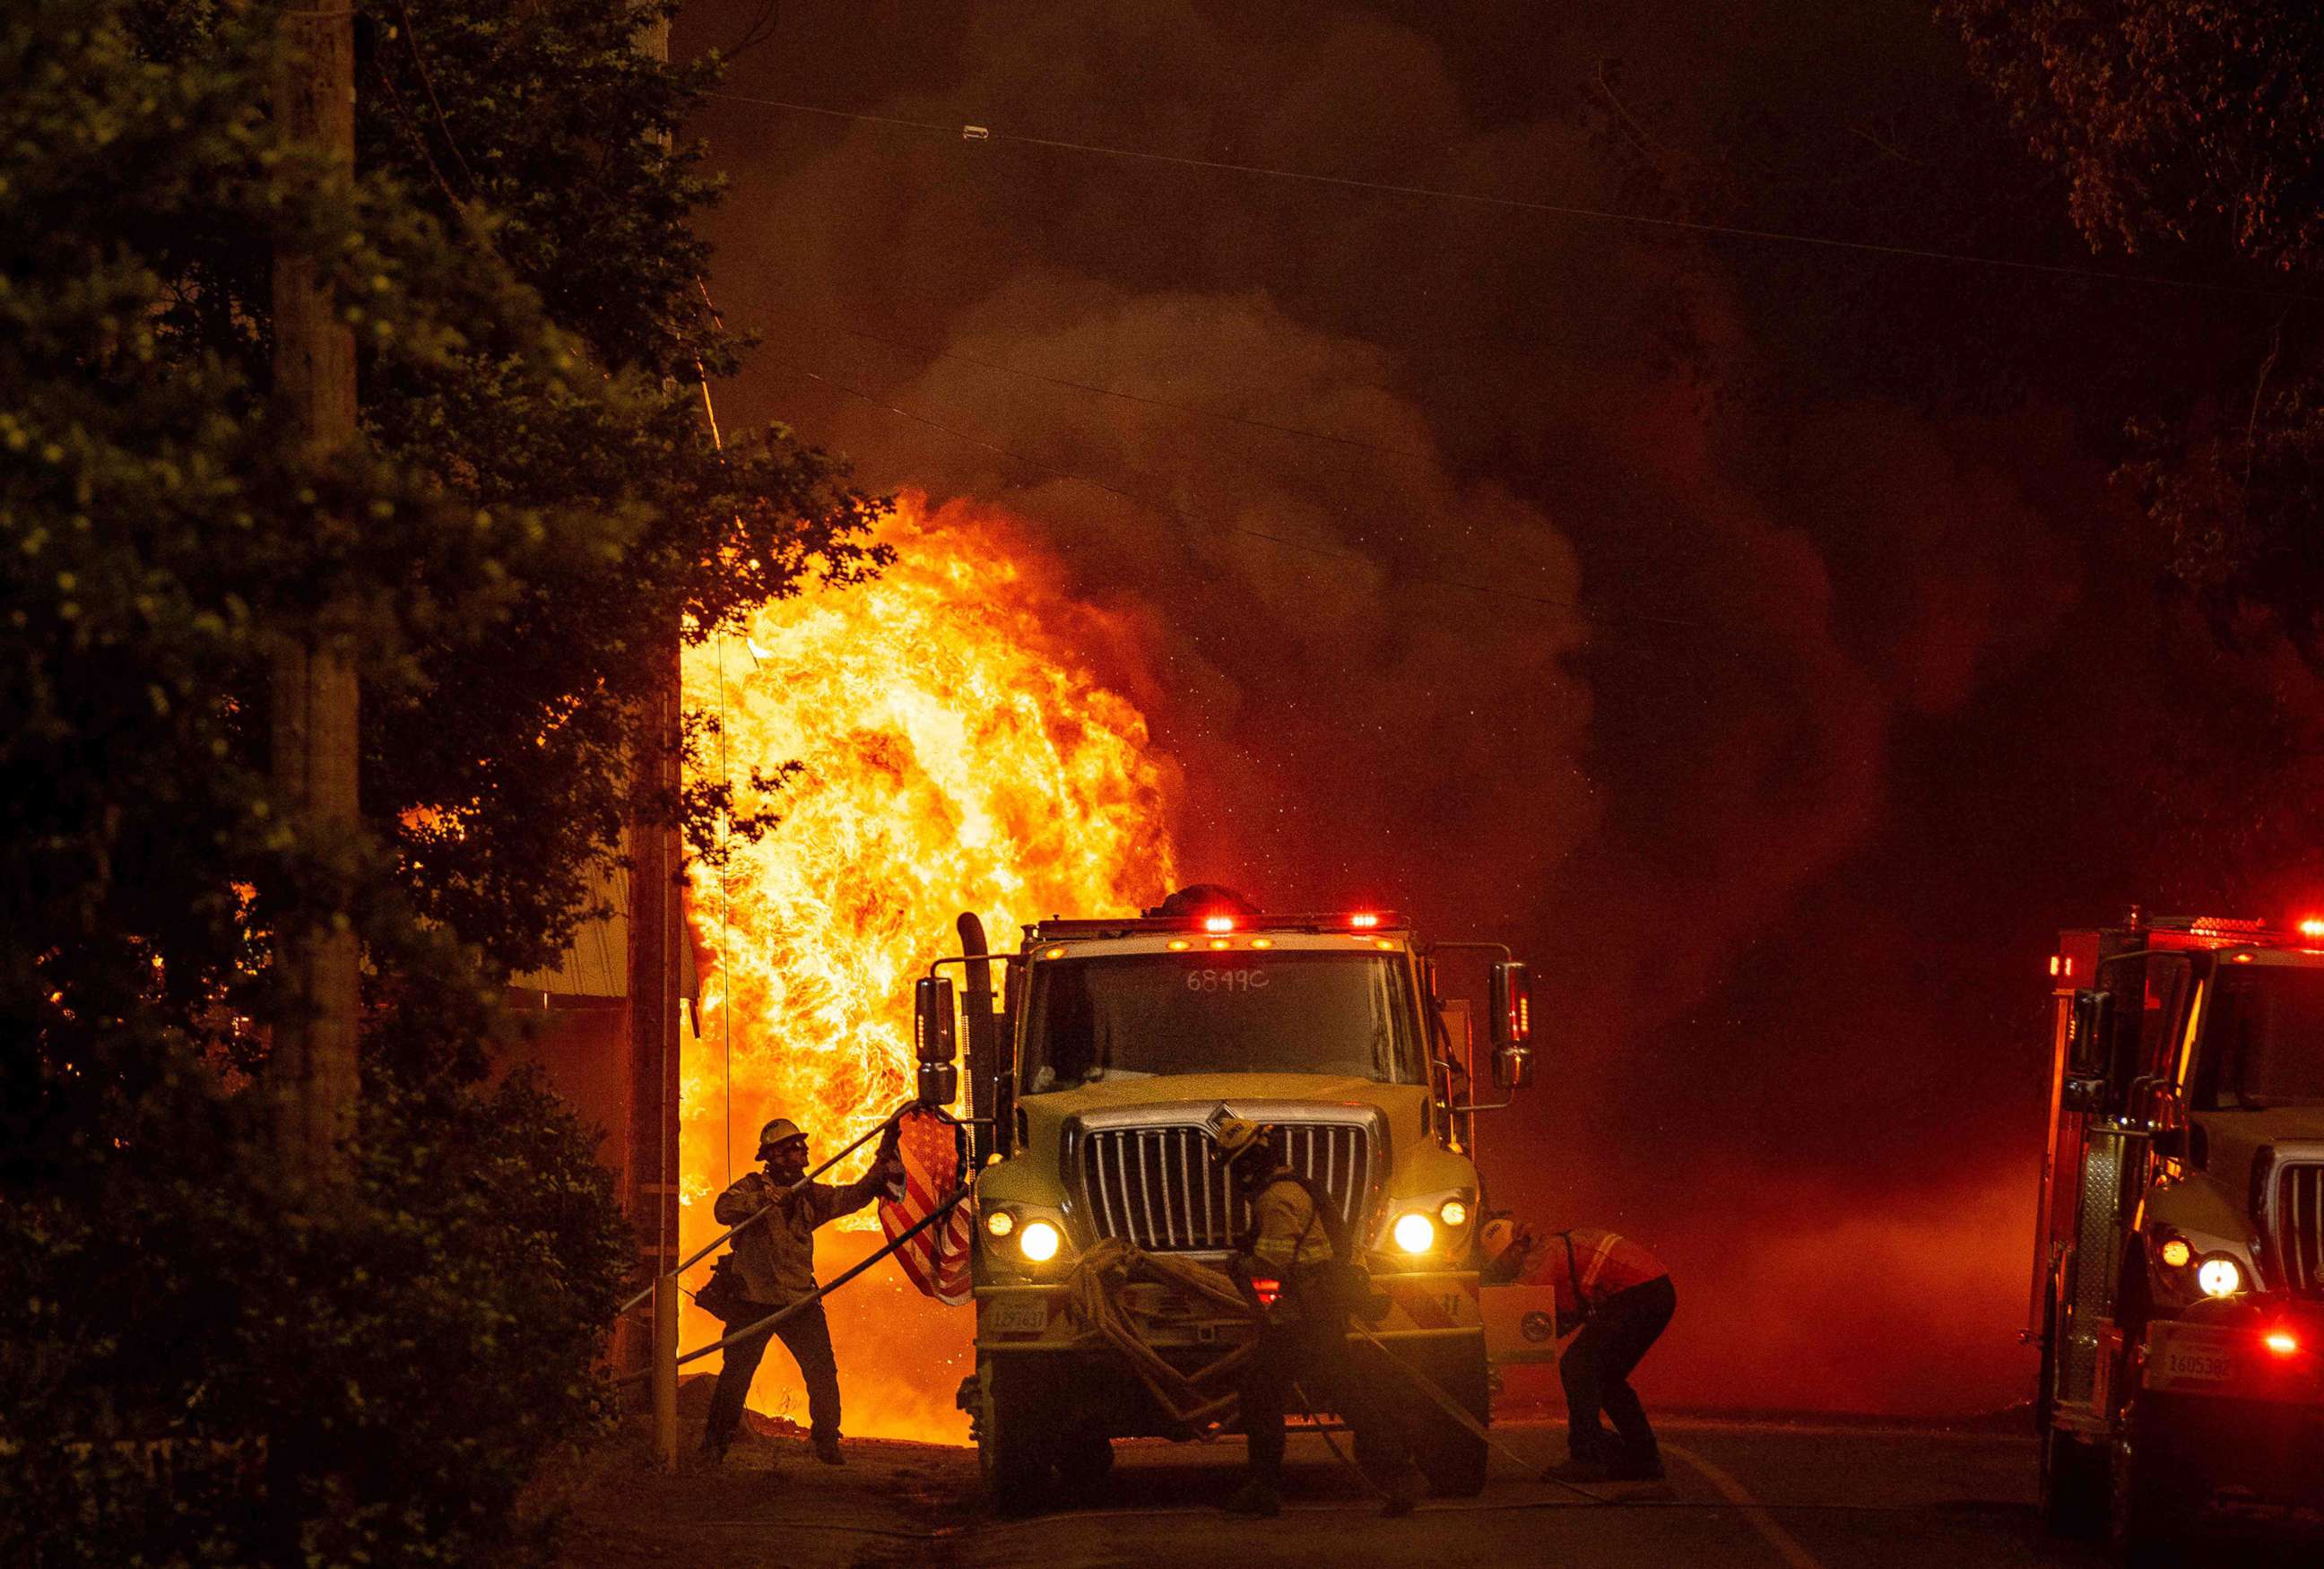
955	750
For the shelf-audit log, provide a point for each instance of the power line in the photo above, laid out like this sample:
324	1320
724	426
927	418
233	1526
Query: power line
1165	510
1518	203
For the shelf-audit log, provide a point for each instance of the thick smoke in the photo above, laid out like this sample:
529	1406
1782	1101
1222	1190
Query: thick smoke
1770	740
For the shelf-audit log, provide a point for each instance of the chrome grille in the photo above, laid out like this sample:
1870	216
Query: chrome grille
2299	1239
1163	1190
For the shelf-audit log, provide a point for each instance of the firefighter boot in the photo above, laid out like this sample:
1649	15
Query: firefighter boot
827	1449
1256	1497
1404	1490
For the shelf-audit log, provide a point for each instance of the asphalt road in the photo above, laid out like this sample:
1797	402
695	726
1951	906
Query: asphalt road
1738	1493
1782	1495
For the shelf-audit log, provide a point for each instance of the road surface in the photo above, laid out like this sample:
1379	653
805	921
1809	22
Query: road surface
1776	1494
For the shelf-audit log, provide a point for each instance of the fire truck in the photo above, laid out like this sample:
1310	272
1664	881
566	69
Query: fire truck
2179	1270
1117	1046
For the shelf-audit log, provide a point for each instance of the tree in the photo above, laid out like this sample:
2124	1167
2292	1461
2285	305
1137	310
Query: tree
2191	133
534	506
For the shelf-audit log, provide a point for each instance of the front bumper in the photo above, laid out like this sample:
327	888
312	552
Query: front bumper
2242	1424
1032	1318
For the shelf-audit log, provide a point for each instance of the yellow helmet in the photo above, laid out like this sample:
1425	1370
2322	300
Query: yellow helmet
1235	1137
1495	1238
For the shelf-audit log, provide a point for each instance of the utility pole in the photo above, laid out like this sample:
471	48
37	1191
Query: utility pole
657	927
313	1063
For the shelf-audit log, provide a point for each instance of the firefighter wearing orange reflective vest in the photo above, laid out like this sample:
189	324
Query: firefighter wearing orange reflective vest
1621	1300
775	1257
1295	1264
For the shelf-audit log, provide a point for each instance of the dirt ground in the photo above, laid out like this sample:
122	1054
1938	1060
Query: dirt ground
771	1502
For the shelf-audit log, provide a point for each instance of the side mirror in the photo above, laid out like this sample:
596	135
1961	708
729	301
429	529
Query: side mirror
2166	1118
935	1016
1512	1005
2087	1029
1513	1067
939	1083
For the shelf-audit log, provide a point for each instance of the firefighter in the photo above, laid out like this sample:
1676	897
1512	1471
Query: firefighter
775	1259
1294	1242
1620	1298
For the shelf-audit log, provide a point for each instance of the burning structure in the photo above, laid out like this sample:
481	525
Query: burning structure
934	741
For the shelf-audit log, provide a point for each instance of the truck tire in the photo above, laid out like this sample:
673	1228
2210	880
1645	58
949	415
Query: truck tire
2148	1522
1085	1459
1449	1455
2073	1473
2073	1486
1015	1444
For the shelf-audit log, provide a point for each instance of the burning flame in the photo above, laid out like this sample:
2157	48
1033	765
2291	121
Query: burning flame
953	753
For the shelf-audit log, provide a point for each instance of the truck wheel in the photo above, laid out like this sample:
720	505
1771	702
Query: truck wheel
2073	1485
1013	1443
2148	1521
1449	1455
1085	1460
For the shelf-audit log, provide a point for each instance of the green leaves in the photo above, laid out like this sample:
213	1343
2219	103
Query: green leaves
532	513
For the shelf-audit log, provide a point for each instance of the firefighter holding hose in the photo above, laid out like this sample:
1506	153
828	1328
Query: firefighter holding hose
1295	1264
1620	1299
775	1261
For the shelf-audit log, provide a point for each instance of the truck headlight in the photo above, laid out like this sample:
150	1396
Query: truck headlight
1415	1233
2219	1276
1039	1241
1453	1213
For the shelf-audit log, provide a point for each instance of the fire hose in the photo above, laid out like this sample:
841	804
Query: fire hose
1095	1289
768	1322
1094	1292
877	1131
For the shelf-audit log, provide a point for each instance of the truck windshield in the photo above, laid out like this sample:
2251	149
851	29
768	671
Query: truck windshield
2266	1037
1138	1015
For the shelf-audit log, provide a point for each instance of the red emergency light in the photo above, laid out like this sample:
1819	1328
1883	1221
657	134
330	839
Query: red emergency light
2313	927
1218	923
2282	1342
1363	922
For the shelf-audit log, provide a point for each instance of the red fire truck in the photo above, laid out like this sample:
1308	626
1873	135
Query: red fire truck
2179	1267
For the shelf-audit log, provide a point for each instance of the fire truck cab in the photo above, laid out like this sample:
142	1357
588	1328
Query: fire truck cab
2178	1282
1119	1045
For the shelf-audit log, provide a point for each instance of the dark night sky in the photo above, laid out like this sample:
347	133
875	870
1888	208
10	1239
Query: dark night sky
1805	709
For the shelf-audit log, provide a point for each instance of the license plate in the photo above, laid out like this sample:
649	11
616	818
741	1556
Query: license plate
2198	1363
1018	1316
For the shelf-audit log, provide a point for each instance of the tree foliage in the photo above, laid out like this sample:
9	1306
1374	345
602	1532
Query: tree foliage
2192	132
532	510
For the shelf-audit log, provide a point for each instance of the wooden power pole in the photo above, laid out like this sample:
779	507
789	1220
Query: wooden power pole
656	930
313	1063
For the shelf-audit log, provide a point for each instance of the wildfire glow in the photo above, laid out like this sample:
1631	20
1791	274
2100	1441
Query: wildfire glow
955	753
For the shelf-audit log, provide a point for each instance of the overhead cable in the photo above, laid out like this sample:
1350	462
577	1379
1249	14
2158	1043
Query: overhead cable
1519	204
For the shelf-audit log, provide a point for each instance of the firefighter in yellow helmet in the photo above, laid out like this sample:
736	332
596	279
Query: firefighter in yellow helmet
775	1258
1294	1261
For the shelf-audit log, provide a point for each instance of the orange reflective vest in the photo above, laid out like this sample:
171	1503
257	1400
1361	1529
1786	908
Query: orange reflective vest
1584	1267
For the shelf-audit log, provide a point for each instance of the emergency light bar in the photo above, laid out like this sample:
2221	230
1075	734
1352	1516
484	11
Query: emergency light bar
1059	929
